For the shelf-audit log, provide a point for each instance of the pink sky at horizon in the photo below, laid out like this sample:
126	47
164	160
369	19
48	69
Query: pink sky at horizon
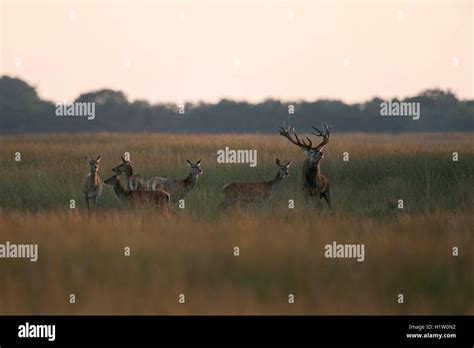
164	51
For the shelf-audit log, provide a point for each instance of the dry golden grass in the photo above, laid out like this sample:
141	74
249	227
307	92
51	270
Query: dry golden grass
83	254
281	250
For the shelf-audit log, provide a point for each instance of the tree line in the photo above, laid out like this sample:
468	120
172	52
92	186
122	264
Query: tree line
23	111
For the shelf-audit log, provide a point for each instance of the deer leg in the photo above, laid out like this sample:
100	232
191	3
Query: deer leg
169	211
96	201
164	206
306	196
223	205
227	203
87	202
317	201
161	207
311	196
327	198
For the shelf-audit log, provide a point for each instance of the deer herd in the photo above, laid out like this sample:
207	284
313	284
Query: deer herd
159	192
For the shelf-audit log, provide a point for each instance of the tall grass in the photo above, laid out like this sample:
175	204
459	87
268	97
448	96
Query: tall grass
83	253
381	169
408	251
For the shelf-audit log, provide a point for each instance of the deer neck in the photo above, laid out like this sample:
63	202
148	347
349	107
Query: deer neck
94	176
275	181
313	168
317	169
128	172
120	191
190	182
311	174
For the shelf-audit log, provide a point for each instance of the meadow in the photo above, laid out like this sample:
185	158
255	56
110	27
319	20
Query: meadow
407	251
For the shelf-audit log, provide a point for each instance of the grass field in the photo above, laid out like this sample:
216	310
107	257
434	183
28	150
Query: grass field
407	251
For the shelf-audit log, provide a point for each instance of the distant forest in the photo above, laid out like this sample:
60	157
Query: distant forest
22	111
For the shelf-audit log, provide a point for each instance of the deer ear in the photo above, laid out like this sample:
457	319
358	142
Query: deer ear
289	163
277	161
123	160
199	162
98	158
189	162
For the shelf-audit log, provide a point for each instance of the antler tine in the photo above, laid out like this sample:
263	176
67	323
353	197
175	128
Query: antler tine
325	130
310	143
317	130
328	128
283	130
286	133
303	142
324	133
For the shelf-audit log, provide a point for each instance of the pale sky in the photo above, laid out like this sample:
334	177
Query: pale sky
175	51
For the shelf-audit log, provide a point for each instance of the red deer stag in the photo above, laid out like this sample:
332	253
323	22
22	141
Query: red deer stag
314	183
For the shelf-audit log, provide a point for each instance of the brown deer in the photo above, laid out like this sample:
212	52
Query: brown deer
314	183
178	189
93	186
236	192
134	181
158	198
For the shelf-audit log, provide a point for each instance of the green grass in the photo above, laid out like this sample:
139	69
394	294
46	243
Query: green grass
381	170
408	251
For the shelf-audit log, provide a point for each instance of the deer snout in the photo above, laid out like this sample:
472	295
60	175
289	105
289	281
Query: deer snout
109	181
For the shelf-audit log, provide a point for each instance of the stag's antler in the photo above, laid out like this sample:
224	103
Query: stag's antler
301	143
324	134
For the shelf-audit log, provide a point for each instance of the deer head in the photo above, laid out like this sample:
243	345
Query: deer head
122	167
113	180
94	164
314	154
283	173
195	168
